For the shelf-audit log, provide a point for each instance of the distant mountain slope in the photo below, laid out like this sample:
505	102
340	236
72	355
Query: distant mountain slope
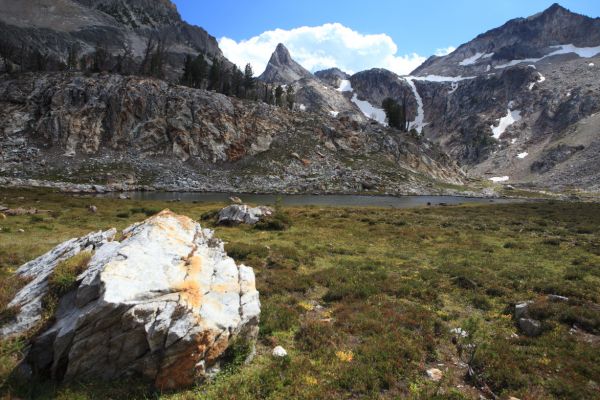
51	31
556	32
517	104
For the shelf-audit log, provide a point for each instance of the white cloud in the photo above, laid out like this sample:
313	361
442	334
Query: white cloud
320	47
444	51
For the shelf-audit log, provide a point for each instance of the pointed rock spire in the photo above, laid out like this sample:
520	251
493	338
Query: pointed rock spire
282	69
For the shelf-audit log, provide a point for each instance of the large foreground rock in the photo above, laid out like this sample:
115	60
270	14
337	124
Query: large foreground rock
164	303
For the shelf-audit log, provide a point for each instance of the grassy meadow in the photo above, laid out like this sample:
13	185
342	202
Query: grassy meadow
366	300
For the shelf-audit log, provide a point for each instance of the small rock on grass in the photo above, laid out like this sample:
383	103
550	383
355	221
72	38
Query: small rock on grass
522	309
235	200
557	298
279	352
530	327
434	374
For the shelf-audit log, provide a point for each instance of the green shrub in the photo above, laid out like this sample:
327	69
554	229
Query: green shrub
209	215
552	242
34	219
316	336
252	254
278	221
123	214
8	314
284	257
513	245
143	210
481	301
64	276
236	354
278	316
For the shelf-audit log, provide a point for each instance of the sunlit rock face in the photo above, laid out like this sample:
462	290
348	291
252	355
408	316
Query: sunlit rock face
164	303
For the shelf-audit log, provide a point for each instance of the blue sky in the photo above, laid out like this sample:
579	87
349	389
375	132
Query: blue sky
416	28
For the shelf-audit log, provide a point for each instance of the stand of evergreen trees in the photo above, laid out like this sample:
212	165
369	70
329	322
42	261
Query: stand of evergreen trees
395	114
201	71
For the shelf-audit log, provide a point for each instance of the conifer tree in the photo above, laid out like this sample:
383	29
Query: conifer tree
249	80
279	96
290	97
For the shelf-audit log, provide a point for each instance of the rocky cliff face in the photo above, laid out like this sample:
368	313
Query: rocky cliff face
50	31
108	128
137	13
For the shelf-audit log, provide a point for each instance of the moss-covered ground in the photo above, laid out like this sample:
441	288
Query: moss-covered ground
364	300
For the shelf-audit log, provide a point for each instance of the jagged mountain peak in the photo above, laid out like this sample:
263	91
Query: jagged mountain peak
283	69
556	8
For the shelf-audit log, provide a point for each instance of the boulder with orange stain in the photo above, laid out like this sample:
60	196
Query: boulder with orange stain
164	303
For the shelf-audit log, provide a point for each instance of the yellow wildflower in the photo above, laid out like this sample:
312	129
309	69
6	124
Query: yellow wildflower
345	356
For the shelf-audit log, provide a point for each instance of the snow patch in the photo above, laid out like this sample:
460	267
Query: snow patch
365	107
334	114
454	87
345	86
513	140
420	118
369	110
591	65
438	78
522	155
585	52
504	122
302	107
540	79
499	179
473	59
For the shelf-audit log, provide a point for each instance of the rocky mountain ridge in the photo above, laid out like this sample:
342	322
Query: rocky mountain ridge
105	128
516	105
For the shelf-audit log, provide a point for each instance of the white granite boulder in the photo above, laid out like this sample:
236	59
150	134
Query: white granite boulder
236	214
29	299
163	303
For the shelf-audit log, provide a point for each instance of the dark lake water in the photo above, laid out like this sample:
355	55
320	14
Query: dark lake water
314	200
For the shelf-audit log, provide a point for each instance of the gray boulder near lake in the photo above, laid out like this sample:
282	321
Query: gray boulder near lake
164	303
236	214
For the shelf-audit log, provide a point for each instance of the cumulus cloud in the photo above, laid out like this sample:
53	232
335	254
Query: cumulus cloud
444	51
321	47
